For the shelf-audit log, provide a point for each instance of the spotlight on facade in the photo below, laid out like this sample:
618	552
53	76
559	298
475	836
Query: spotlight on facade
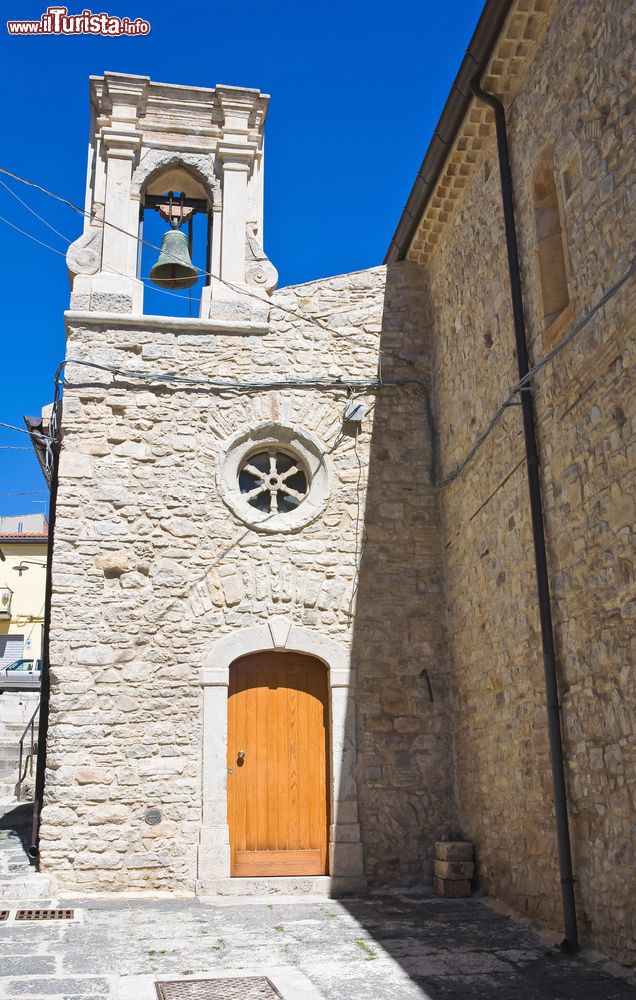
354	412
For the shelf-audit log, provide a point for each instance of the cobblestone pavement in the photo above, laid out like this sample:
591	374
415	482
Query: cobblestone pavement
395	946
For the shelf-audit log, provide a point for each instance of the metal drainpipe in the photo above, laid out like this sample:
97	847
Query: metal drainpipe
45	684
570	942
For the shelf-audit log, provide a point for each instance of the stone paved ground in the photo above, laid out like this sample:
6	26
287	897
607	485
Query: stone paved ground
388	947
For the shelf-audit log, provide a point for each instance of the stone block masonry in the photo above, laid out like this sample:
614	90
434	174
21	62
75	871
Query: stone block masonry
452	888
454	869
574	106
448	851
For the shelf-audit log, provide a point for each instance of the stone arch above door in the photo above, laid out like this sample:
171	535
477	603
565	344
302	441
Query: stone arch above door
278	632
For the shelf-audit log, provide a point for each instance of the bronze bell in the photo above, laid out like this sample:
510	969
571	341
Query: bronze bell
174	269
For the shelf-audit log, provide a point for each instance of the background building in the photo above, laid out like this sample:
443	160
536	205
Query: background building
23	543
564	73
23	540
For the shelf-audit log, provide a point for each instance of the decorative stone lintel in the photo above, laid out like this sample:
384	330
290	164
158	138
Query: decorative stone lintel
237	156
230	647
120	143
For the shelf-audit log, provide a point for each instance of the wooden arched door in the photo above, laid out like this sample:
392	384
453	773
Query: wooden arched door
278	765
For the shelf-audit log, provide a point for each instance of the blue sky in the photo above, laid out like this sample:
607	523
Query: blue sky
356	91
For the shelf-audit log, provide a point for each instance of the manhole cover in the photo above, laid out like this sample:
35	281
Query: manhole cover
252	988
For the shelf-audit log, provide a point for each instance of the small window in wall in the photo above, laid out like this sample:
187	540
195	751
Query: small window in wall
551	252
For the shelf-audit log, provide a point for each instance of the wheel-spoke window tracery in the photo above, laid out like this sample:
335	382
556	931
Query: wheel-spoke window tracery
273	481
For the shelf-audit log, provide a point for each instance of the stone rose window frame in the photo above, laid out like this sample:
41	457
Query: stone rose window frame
294	442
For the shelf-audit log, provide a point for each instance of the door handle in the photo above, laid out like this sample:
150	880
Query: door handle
240	757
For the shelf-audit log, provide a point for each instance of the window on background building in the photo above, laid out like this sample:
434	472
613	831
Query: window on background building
550	248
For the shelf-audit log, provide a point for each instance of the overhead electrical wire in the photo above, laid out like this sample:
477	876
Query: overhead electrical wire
31	237
524	384
33	212
203	273
23	493
229	385
12	427
520	386
62	253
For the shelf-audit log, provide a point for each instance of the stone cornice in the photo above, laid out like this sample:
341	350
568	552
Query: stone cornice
123	95
174	324
522	34
164	105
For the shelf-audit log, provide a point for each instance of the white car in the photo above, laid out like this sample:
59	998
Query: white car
21	675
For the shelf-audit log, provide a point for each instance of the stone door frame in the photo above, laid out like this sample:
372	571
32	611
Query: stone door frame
345	846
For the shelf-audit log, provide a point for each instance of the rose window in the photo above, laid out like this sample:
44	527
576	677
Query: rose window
273	482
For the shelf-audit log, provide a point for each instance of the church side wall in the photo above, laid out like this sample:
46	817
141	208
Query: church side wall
573	105
151	567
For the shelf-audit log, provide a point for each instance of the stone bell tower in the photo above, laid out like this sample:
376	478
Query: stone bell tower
246	601
150	138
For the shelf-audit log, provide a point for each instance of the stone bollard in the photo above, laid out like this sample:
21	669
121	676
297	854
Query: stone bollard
454	868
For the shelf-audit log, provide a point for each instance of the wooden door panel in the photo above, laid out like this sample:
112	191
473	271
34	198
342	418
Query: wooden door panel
277	795
278	863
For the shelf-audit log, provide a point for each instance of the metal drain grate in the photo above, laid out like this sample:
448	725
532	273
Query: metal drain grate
4	915
45	914
251	988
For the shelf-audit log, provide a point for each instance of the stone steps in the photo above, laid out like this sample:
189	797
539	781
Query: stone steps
23	887
9	762
20	883
287	885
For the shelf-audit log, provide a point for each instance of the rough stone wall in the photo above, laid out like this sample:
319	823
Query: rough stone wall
575	102
150	566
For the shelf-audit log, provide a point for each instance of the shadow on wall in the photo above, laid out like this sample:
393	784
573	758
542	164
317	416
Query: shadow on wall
405	780
448	949
404	754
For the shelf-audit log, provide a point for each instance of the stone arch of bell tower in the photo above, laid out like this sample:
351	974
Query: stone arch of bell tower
162	171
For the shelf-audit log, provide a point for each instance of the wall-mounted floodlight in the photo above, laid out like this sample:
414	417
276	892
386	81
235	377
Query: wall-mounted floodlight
354	412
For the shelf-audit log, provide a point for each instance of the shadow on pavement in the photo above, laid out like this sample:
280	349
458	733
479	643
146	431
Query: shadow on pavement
465	950
18	822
